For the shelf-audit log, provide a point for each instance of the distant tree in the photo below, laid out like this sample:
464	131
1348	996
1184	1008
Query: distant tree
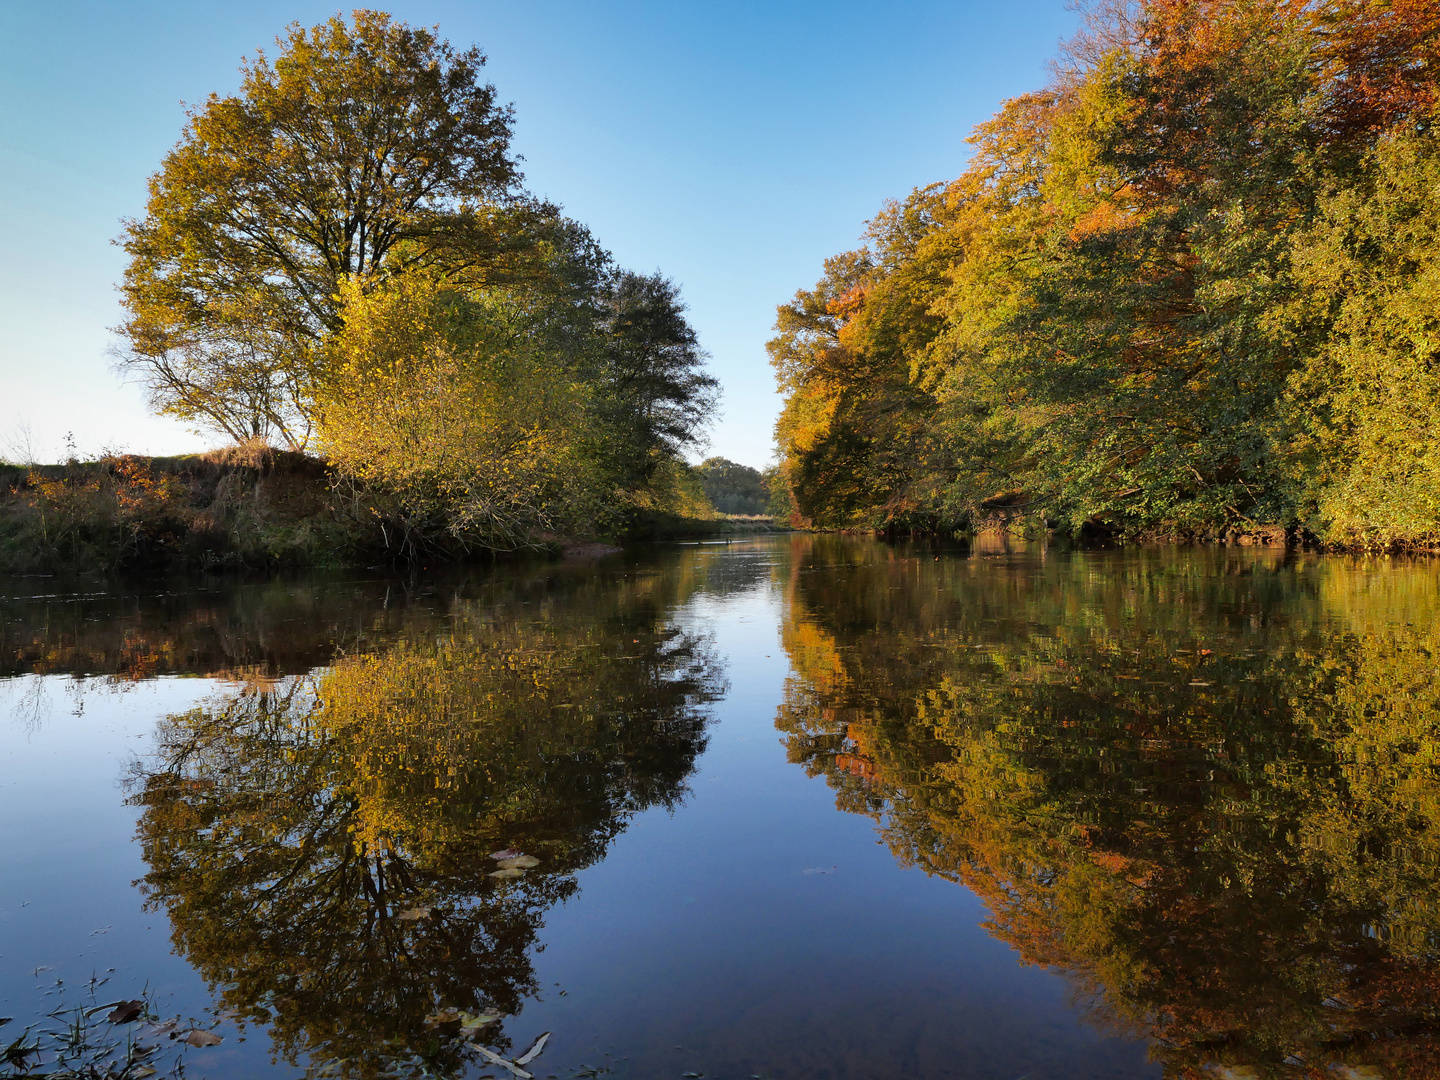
733	488
366	147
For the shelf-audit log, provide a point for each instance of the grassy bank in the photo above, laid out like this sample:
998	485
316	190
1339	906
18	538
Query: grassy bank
240	508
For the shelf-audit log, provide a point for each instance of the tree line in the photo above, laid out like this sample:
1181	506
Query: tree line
340	259
1187	288
733	488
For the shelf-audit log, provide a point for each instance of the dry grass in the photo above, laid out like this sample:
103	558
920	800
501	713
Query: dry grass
242	506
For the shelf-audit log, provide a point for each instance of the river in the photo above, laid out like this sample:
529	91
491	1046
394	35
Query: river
787	807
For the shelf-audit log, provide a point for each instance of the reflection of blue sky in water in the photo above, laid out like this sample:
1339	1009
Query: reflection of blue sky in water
703	929
699	928
67	857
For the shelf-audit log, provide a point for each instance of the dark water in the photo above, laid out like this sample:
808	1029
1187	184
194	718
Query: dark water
797	807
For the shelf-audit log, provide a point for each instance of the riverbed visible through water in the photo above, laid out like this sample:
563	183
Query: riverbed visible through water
793	806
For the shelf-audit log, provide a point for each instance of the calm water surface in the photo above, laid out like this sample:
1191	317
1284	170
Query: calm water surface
797	807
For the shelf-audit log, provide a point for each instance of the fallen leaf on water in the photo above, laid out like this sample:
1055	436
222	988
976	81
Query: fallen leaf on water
519	862
444	1016
508	853
534	1051
414	914
495	1059
508	872
474	1021
126	1011
196	1037
142	1072
160	1029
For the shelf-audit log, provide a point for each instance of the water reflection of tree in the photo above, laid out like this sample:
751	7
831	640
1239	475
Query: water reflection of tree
1203	785
297	833
288	625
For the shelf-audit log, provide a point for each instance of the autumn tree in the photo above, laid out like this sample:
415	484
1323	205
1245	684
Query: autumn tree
364	148
1180	290
339	257
1365	449
464	407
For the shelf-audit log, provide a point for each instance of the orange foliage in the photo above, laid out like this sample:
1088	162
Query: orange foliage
1380	61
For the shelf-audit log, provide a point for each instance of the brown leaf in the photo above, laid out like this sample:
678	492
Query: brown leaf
126	1011
196	1037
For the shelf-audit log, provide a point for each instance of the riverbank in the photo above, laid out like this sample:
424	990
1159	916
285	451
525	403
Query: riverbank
996	534
241	508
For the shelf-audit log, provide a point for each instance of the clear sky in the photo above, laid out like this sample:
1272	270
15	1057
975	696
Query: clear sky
731	145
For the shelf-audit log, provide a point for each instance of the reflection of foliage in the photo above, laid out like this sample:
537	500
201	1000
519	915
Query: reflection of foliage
289	625
322	845
1203	786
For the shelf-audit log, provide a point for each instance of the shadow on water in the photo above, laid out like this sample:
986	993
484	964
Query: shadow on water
1202	784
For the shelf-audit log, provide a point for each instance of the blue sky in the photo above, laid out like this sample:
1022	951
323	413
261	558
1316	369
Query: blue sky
733	146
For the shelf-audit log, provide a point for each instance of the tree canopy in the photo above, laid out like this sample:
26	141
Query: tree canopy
360	178
1179	290
364	146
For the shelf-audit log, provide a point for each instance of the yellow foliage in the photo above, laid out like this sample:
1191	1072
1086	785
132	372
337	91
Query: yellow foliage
454	402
